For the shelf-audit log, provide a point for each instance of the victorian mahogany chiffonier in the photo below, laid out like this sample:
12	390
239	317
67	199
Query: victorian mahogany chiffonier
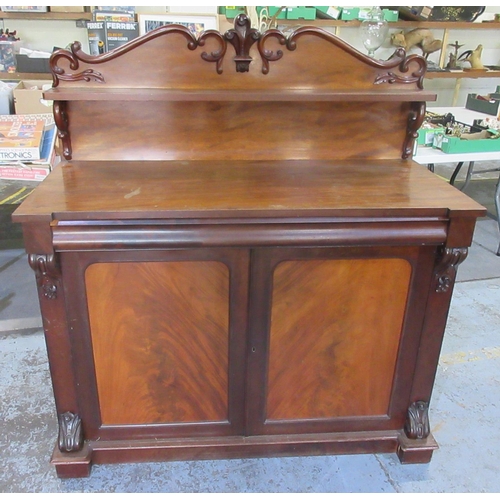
237	256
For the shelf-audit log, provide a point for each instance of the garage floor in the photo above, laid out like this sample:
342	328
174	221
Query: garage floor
464	413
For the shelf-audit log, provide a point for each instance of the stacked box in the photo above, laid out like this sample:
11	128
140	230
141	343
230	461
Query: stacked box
308	13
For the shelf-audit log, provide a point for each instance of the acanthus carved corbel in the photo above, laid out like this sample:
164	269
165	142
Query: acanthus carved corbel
70	432
449	260
417	420
62	123
47	273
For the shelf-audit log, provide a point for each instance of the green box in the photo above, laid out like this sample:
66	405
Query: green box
490	108
272	11
426	135
308	13
328	12
390	15
451	144
231	12
349	13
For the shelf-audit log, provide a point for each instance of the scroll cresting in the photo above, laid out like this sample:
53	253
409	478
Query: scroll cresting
46	272
450	259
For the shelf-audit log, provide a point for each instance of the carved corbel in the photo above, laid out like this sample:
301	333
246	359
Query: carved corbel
47	273
449	260
417	420
62	123
415	120
70	432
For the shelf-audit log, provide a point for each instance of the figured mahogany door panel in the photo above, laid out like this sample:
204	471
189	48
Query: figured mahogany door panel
334	332
160	340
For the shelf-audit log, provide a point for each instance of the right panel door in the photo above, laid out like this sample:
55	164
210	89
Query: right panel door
334	337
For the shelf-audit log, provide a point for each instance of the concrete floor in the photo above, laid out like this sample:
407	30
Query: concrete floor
464	413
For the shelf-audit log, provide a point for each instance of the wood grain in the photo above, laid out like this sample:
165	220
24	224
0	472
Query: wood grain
335	331
232	189
160	340
273	130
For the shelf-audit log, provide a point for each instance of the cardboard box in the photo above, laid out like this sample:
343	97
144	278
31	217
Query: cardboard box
451	144
328	12
426	135
18	8
307	13
71	8
28	97
349	13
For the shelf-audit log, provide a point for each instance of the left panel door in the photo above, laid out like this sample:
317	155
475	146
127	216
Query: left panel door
159	341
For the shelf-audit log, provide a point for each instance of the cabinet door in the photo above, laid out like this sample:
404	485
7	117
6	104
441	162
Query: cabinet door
158	340
334	337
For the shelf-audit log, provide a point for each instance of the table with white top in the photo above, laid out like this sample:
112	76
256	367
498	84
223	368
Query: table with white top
426	155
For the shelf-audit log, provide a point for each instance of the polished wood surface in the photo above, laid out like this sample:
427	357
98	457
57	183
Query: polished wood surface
335	331
311	58
273	130
160	340
235	260
99	190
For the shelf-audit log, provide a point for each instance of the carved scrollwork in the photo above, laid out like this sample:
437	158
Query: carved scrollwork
214	56
70	432
417	421
62	123
269	55
59	73
449	260
415	120
76	55
416	77
242	37
46	272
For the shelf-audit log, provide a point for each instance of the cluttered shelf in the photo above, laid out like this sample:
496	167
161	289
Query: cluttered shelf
456	25
47	16
25	76
481	73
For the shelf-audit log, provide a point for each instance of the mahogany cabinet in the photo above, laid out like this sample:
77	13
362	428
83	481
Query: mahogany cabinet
238	258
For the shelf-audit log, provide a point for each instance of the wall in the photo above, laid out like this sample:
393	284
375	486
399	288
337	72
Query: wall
44	35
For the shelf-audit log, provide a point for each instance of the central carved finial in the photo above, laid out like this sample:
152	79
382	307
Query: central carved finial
242	37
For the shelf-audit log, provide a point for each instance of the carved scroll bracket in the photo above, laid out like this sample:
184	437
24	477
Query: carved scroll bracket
242	37
415	120
449	260
46	272
62	123
417	420
70	432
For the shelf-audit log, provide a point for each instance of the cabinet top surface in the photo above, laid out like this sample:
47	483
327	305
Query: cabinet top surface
242	189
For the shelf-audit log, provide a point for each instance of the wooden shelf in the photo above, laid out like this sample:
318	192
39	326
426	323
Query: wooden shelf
463	74
25	76
323	23
47	16
113	94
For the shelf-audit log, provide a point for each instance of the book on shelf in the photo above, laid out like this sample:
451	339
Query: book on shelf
21	137
35	170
